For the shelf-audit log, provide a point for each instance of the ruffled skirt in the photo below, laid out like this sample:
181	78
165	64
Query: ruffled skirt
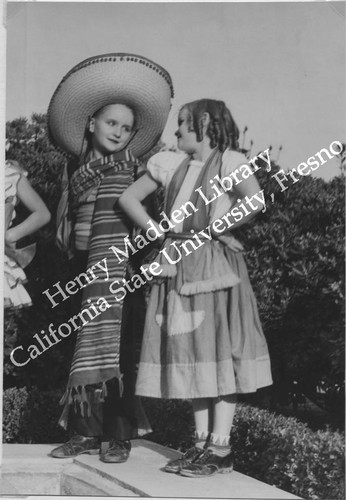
15	295
206	340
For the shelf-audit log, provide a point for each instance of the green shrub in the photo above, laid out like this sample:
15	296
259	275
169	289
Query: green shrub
31	416
277	450
272	448
171	422
284	452
295	256
14	402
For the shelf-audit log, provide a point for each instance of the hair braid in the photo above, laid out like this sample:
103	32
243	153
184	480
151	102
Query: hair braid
222	129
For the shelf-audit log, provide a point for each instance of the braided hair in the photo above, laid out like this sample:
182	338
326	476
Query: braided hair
222	129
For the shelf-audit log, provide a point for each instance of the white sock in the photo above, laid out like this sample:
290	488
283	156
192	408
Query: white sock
219	445
220	451
219	440
201	437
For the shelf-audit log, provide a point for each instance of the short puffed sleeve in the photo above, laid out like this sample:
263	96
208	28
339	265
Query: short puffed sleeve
162	166
232	160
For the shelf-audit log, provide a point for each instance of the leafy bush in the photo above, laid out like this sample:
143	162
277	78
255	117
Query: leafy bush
295	255
272	448
171	421
31	416
284	452
277	450
27	142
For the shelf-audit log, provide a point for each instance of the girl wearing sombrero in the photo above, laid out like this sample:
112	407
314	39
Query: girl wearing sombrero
106	112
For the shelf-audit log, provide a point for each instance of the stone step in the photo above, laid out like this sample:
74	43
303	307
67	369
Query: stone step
24	468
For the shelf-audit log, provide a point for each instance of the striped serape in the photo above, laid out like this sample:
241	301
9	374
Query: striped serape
97	351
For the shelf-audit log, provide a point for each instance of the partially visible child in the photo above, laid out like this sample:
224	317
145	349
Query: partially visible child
203	338
19	189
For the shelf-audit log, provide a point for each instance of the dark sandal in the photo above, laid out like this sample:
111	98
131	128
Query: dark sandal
208	464
118	452
176	465
76	446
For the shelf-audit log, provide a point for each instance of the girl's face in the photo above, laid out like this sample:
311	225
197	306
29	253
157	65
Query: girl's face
111	129
187	140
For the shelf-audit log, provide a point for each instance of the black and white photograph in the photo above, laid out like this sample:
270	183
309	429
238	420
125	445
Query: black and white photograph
174	249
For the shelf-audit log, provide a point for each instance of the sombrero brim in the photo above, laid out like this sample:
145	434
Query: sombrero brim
110	79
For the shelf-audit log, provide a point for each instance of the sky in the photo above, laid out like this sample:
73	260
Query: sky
280	67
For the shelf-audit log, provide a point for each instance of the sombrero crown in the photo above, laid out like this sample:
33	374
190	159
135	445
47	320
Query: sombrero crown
110	79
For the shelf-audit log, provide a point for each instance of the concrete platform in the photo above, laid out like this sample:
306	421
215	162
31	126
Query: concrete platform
28	470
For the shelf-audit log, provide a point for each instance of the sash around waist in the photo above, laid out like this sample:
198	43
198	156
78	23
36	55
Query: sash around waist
184	236
199	269
225	239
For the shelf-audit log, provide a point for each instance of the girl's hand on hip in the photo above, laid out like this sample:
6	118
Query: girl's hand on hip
10	236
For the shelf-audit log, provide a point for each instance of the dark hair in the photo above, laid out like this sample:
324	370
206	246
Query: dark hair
222	129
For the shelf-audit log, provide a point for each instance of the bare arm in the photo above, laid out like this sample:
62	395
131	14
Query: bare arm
130	201
39	212
248	187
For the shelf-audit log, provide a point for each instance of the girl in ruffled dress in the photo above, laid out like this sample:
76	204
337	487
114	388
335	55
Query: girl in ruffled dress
203	338
19	189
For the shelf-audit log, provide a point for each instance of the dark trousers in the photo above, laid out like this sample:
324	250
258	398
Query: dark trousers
111	419
117	416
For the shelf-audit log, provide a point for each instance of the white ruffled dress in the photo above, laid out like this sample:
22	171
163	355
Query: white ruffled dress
15	295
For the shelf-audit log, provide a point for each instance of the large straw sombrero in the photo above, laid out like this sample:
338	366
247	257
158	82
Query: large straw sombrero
110	79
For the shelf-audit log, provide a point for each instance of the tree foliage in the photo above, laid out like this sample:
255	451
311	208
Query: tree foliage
295	254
